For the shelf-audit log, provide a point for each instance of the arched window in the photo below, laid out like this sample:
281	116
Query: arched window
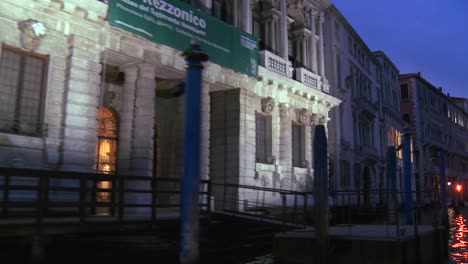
106	153
107	133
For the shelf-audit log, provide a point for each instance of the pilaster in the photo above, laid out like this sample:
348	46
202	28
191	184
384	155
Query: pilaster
82	88
313	41
247	138
322	53
126	119
247	16
284	30
285	152
142	138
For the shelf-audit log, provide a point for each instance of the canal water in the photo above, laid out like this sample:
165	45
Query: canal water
458	236
457	244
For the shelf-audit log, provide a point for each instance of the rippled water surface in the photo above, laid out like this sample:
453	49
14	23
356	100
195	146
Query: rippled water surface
458	244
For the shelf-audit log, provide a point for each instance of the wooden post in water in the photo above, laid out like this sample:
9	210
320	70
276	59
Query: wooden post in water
321	193
407	175
444	234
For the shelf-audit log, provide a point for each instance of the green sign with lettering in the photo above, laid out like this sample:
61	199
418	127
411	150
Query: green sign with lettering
174	23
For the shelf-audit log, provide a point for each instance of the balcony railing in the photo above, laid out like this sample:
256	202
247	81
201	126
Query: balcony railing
276	63
308	78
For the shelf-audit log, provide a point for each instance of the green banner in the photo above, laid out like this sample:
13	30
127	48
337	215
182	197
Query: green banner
174	23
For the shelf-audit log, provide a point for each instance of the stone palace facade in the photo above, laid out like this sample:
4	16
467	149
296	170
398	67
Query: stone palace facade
78	94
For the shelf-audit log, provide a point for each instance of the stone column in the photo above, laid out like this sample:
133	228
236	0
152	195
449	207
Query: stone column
82	88
298	54
267	21
247	143
337	127
273	37
141	151
247	16
304	49
334	51
285	152
322	53
126	119
235	14
314	120
313	41
80	111
284	30
55	108
143	134
308	143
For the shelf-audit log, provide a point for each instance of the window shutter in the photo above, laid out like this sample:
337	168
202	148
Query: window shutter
260	136
22	87
296	157
30	103
268	138
9	75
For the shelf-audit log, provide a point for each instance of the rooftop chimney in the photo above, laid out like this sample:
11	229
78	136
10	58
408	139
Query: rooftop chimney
419	74
440	89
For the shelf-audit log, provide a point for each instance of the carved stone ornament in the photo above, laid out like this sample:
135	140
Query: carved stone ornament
303	116
264	181
32	32
268	104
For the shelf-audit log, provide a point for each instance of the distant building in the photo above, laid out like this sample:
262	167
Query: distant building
437	124
390	118
360	126
461	102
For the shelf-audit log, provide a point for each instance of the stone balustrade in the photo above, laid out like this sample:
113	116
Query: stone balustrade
275	63
308	78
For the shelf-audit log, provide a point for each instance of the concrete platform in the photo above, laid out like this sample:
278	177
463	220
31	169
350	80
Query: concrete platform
362	244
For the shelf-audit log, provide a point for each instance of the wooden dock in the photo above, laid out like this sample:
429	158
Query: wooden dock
365	244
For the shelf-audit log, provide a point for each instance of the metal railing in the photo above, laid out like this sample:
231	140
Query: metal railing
347	208
45	194
40	195
282	206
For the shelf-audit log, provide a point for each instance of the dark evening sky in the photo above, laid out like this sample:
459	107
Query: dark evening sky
427	36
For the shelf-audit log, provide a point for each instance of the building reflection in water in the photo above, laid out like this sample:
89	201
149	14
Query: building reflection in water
458	245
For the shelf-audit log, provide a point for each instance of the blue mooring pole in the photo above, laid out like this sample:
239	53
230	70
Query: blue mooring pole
391	180
190	210
407	176
443	189
321	193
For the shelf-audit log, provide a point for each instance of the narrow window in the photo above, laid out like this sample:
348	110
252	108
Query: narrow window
22	89
263	138
404	91
298	146
338	71
106	150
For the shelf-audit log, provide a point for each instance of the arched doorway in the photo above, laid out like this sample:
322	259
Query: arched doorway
106	154
367	187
